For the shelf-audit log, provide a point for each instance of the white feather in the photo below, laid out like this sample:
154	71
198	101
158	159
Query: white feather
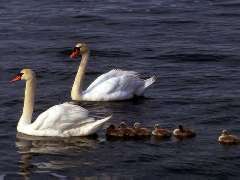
115	85
64	120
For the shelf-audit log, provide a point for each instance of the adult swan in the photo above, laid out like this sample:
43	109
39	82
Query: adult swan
112	86
63	120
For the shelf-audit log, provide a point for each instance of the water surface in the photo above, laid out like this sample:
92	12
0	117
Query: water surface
191	46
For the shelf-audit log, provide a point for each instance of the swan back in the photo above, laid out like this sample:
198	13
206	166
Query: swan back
61	117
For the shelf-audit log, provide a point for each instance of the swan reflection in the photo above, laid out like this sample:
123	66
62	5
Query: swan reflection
52	153
54	145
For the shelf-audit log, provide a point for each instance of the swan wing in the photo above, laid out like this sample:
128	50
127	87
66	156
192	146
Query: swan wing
61	117
111	74
114	88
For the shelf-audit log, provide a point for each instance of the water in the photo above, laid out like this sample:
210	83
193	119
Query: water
191	46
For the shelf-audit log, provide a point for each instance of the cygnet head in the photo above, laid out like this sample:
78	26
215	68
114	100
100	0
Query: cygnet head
79	49
25	74
123	125
137	125
157	126
180	127
225	132
111	127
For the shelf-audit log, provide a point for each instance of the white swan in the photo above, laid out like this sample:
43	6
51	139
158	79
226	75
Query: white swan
63	120
112	86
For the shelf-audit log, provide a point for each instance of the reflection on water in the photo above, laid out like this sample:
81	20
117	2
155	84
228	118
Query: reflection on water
54	145
53	157
137	107
191	46
107	107
30	146
2	177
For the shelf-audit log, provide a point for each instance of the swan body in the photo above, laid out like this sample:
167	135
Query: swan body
114	85
181	132
160	132
63	120
227	138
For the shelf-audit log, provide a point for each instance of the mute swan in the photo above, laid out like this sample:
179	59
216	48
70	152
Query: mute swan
63	120
112	86
227	138
181	132
160	132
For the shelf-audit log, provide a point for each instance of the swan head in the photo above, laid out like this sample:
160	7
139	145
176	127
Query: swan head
79	49
25	74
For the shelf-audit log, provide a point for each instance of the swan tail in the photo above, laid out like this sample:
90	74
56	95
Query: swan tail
87	129
148	82
97	125
101	122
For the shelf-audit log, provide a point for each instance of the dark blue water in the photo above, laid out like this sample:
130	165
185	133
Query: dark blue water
192	46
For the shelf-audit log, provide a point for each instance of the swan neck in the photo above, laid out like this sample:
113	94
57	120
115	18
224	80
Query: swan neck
76	92
28	102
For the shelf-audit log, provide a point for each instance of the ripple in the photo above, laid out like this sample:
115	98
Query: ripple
192	47
111	53
228	4
89	18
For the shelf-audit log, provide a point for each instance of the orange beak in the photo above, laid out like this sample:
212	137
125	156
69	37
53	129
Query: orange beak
75	53
16	78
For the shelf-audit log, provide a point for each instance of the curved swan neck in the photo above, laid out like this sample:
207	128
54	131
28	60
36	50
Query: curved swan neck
28	101
78	82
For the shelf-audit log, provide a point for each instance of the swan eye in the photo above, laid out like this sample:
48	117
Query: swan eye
20	74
